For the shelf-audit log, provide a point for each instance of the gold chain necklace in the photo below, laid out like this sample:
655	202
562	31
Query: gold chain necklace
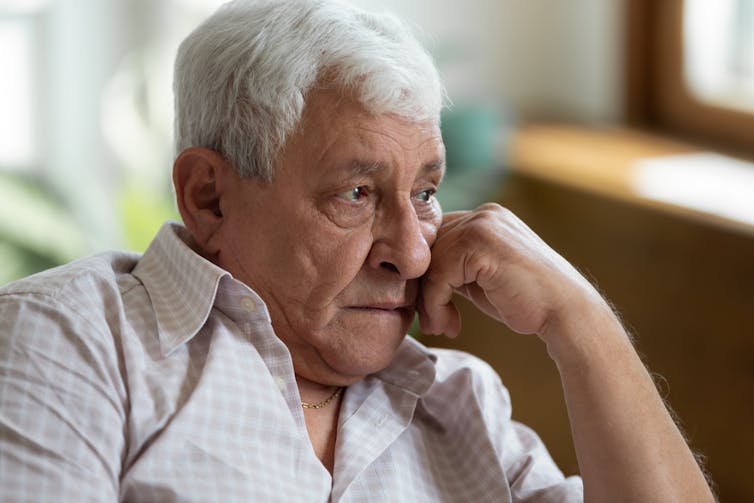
324	402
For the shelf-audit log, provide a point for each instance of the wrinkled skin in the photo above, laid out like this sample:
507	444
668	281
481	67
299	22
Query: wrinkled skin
347	241
337	242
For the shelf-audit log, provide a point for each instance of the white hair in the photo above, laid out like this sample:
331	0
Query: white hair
241	77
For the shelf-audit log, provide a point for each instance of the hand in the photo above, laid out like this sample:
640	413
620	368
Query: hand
492	258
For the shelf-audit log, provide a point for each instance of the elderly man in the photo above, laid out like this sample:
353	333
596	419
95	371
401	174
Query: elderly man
258	352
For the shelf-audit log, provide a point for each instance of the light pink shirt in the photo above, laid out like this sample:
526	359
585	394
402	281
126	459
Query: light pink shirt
159	378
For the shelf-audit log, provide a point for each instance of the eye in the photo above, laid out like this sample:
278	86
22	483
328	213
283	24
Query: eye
425	196
354	194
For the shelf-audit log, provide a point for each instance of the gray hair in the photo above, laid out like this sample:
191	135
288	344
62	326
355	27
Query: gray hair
241	77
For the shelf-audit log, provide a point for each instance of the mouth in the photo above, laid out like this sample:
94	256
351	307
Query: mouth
385	308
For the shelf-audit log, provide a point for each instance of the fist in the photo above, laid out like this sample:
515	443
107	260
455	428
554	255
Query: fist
493	259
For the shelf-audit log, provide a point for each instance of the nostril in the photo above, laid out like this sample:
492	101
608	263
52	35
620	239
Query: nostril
389	266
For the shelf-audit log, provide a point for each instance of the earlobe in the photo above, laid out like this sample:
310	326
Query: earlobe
198	175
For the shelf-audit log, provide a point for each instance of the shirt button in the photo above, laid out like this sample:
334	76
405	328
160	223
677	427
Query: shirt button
280	383
248	303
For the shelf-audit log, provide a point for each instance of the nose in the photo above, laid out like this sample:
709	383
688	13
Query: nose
401	242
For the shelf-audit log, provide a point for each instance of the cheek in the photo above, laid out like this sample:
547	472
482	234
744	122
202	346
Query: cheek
336	261
349	253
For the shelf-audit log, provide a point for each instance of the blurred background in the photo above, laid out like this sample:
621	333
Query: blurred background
85	128
622	131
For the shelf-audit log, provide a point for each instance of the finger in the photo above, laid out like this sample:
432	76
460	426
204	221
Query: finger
451	221
437	287
445	320
479	297
453	215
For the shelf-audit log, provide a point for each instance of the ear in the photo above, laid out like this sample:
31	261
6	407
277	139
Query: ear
199	178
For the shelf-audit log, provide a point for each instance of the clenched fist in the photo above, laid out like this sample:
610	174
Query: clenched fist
492	258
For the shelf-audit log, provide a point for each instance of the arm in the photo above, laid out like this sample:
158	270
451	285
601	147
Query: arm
61	408
627	445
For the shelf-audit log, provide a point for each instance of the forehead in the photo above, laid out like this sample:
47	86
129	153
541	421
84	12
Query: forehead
333	126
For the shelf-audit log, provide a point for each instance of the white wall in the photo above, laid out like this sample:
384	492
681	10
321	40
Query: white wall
545	58
79	39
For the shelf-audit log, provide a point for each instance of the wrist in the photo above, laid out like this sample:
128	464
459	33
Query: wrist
579	333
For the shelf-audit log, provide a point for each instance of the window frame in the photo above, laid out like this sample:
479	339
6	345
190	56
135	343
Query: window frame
657	96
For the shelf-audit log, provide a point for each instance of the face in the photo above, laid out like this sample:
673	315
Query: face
336	243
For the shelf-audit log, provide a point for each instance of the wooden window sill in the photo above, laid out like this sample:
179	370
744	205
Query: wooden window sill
638	167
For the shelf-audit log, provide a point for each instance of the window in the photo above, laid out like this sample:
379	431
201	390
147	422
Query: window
718	52
691	70
17	142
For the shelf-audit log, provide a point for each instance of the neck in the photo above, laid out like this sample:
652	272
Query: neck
321	423
314	392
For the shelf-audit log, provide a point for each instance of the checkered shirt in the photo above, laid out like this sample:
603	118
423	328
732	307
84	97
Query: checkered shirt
160	378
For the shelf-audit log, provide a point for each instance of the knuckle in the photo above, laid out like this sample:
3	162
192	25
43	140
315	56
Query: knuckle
490	206
486	219
493	209
493	212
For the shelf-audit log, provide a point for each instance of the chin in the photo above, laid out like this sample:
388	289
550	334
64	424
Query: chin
364	357
357	343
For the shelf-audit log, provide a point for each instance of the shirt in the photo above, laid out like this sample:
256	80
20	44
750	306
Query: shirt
160	378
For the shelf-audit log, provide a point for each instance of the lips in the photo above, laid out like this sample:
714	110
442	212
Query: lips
394	299
385	306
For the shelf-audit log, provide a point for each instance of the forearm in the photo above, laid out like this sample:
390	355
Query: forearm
627	444
628	447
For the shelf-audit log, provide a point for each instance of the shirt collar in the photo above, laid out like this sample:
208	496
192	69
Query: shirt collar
183	287
412	368
181	284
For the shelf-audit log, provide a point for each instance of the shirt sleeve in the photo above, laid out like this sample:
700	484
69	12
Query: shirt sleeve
532	474
62	403
530	471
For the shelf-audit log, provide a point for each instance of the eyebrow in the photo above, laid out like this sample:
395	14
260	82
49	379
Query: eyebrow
367	168
436	166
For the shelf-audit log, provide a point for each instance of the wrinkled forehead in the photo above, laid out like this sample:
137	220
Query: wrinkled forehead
337	132
331	113
333	103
